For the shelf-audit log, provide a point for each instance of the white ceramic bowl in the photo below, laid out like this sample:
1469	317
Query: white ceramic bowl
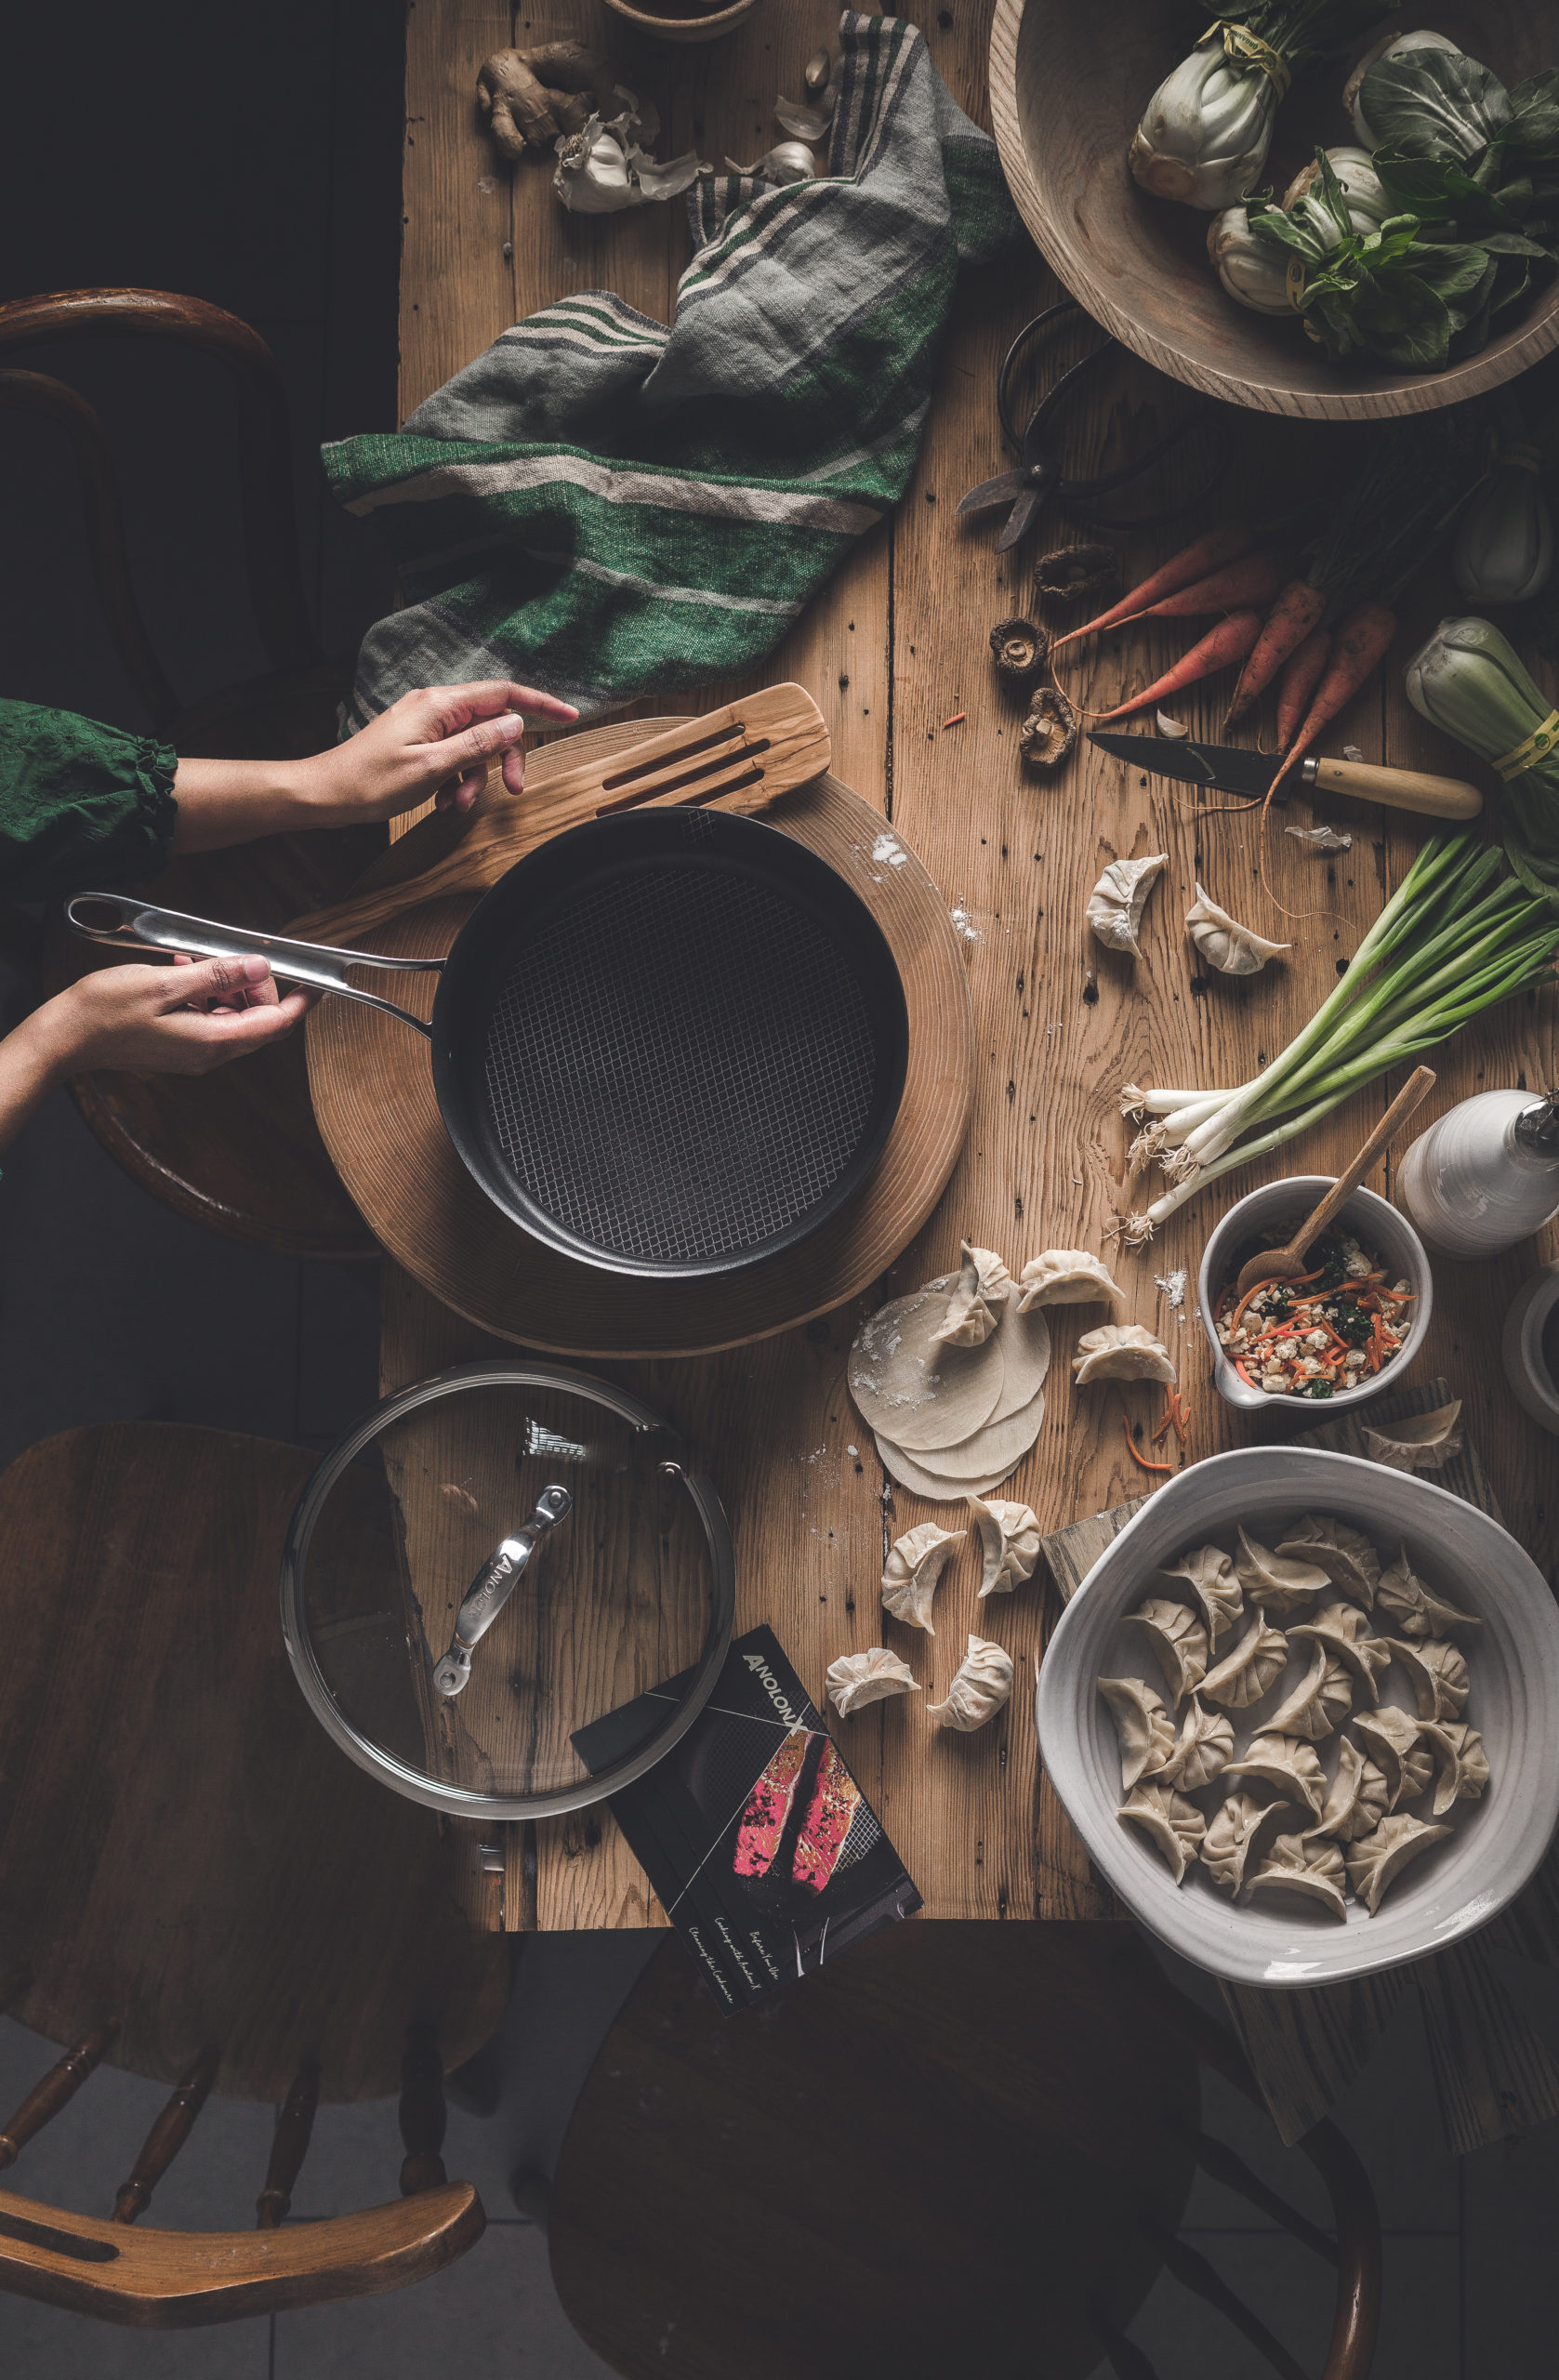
1451	1889
1521	1348
1267	1219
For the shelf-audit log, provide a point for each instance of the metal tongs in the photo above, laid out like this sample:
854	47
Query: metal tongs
492	1585
1039	477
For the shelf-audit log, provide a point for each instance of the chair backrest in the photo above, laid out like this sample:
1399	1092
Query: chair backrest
959	2146
175	2280
265	464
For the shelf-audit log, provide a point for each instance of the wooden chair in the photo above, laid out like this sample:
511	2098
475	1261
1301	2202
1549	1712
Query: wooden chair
196	1885
962	2149
238	1150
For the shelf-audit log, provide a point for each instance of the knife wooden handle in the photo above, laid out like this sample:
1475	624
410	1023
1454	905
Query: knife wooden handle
1398	789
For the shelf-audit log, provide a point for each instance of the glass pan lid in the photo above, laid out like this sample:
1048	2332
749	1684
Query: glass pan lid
485	1575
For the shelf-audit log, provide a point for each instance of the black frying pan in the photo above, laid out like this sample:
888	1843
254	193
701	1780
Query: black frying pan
666	1043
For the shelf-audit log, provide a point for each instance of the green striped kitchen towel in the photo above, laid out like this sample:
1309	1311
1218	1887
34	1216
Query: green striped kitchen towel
602	506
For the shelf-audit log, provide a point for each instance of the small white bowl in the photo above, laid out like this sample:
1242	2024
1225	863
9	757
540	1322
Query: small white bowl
1521	1347
1267	1219
1452	1889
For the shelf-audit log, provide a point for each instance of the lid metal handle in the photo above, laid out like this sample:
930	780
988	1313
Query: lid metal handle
492	1587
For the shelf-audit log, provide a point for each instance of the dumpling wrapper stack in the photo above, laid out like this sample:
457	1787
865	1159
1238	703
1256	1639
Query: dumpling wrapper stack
951	1420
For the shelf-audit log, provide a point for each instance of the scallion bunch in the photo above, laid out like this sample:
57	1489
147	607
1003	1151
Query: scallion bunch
1455	939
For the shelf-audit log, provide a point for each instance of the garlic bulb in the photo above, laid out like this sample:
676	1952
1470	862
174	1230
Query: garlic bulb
1252	270
1204	135
787	161
1504	547
1394	45
605	168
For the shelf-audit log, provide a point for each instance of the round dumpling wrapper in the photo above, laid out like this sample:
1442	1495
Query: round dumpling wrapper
987	1456
1025	1341
907	1472
912	1387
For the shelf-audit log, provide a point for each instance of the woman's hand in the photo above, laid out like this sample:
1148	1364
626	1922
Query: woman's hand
185	1019
434	744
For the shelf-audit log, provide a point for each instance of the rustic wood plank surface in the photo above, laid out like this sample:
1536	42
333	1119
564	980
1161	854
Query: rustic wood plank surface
894	646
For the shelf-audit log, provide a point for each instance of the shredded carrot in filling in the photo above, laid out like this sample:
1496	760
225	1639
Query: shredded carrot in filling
1314	1344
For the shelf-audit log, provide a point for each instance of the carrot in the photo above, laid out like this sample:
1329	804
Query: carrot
1142	1457
1255	578
1299	682
1295	613
1181	570
1219	649
1362	641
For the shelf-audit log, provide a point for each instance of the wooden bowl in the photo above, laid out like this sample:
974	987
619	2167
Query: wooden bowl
690	22
1068	86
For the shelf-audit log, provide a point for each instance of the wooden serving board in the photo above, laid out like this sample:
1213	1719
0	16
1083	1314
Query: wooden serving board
1494	2076
372	1094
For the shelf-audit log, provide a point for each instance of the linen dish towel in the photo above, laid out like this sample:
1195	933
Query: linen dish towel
603	506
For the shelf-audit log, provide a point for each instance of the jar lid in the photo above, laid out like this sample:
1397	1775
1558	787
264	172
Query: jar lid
490	1562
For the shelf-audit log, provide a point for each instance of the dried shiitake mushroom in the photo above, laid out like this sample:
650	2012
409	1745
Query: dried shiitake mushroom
1077	574
530	97
1018	649
1048	733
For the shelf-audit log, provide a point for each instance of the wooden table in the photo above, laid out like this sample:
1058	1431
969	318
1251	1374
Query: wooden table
892	648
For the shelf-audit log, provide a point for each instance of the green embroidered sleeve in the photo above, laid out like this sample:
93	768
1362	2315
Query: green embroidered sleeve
81	804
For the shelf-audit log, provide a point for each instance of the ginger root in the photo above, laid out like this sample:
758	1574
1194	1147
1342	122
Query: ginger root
530	97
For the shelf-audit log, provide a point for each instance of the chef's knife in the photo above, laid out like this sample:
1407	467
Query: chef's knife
1230	768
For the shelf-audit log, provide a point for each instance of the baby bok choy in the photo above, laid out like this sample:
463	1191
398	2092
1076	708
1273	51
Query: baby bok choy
1468	682
1454	939
1206	131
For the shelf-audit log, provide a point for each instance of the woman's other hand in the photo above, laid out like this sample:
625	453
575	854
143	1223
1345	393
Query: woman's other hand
185	1019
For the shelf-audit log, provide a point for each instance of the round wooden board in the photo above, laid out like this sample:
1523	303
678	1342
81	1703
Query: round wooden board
1068	86
372	1094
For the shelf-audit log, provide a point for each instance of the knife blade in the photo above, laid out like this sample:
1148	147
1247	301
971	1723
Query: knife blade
1232	768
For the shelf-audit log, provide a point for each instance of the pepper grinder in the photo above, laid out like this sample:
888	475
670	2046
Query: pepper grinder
1486	1175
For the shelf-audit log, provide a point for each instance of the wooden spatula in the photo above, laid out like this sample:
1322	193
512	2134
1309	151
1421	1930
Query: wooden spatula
741	758
1288	1263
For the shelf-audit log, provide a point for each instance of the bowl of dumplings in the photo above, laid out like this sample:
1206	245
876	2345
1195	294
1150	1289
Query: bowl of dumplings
1304	1715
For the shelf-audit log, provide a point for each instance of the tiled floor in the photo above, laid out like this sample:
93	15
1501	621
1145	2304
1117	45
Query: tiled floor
251	157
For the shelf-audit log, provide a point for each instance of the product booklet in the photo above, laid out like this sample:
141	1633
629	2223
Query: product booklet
766	1854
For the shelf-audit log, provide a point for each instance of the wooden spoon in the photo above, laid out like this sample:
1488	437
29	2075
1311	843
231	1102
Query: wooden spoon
1288	1263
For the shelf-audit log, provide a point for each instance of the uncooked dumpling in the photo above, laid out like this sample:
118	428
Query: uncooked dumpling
1392	1741
1178	1640
1280	1587
1359	1796
1256	1663
1461	1759
981	1291
1009	1542
1173	1825
1202	1751
1065	1276
1376	1861
1341	1627
1289	1765
1233	949
1437	1673
1237	1834
1415	1608
915	1563
1318	1707
1116	905
1426	1443
1121	1351
1145	1730
981	1684
1306	1864
856	1679
1345	1555
1209	1575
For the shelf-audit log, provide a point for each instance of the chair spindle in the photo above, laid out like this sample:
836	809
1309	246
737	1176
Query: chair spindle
288	2149
1125	2357
1220	2162
422	2112
1193	2271
166	2137
58	2087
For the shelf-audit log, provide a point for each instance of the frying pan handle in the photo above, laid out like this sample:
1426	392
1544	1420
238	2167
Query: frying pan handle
121	921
